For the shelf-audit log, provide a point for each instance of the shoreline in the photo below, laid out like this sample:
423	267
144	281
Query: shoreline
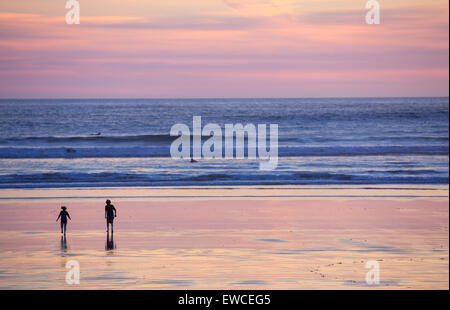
252	191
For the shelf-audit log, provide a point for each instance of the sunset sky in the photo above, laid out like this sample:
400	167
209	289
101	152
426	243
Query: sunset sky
223	48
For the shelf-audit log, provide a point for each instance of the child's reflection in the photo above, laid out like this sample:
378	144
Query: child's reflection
63	243
110	245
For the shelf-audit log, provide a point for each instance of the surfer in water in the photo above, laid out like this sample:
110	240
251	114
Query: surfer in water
63	215
110	214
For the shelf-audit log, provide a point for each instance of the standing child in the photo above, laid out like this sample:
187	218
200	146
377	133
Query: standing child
63	215
110	214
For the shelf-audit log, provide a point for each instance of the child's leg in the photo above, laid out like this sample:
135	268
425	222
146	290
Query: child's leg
62	226
65	227
112	226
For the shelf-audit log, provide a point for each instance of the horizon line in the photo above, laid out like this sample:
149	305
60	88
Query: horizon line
203	98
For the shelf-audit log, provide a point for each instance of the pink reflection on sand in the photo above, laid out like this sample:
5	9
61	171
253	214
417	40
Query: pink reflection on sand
227	243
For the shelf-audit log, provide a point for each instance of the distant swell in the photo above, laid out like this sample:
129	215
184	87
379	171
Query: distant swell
93	138
167	139
136	179
164	151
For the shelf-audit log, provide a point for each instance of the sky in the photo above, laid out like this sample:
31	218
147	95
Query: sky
223	48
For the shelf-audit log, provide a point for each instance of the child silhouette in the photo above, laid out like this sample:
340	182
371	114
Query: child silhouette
110	214
63	215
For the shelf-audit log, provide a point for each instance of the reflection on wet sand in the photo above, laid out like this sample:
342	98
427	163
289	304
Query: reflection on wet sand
110	244
63	244
230	244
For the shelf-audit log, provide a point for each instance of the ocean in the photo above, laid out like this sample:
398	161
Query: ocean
125	142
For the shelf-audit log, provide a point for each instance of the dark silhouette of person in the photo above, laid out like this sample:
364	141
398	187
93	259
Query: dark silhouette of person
63	215
110	214
110	242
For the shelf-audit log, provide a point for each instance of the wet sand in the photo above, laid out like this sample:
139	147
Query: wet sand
234	238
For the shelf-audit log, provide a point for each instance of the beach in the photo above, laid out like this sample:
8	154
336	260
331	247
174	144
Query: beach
256	145
360	183
254	237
